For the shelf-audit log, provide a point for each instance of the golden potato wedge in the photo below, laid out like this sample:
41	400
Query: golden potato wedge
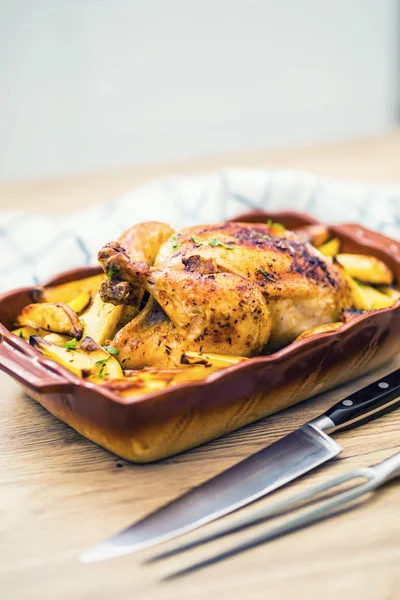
128	313
57	338
210	360
79	303
68	291
106	364
139	384
58	318
367	269
330	248
389	291
25	332
316	234
88	361
73	360
319	329
148	380
351	313
366	297
101	320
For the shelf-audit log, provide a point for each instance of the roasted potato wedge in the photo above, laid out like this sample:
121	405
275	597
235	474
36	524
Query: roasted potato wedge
25	332
351	313
134	385
106	365
66	292
79	303
366	297
319	329
210	360
57	338
330	248
101	320
88	361
314	234
148	380
390	291
128	313
367	269
58	318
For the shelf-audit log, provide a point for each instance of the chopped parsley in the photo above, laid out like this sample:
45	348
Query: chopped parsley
216	242
113	271
102	362
199	310
21	335
271	223
70	345
263	272
197	240
111	350
175	243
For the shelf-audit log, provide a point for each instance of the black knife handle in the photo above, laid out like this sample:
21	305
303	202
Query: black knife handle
373	398
370	399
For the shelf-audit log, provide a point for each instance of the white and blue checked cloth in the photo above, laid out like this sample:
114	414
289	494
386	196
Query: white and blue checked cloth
35	247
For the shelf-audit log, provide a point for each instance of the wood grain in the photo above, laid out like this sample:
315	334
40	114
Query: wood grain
61	494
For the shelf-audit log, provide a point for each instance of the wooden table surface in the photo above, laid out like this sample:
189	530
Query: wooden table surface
60	493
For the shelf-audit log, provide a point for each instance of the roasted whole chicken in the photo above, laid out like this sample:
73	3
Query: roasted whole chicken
233	288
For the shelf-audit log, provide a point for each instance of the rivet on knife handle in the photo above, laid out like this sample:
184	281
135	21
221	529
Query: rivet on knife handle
369	400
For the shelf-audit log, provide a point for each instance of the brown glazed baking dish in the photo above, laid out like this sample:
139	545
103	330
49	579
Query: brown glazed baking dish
148	427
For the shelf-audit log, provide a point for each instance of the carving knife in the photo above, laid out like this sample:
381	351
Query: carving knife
268	469
323	508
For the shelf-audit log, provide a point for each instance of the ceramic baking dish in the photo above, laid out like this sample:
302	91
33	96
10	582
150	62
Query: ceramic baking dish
148	427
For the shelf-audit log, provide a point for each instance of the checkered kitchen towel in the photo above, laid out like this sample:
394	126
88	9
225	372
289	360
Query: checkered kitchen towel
35	247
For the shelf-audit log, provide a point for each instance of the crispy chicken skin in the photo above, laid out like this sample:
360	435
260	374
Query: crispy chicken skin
232	288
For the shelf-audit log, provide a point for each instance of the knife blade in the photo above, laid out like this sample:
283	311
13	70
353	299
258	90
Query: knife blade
268	469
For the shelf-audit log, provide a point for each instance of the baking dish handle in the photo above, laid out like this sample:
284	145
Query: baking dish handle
24	364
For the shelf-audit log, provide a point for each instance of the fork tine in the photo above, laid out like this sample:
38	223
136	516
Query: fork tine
263	513
298	522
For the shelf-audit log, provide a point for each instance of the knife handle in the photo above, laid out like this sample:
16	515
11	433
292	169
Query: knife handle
373	398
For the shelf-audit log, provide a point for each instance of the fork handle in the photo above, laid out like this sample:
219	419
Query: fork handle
387	469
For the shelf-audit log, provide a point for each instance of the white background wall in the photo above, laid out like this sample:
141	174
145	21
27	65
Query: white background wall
86	84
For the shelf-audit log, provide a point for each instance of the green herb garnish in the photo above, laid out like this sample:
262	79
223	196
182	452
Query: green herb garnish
175	242
263	272
70	345
21	335
111	350
102	362
197	240
113	271
271	223
216	242
198	310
